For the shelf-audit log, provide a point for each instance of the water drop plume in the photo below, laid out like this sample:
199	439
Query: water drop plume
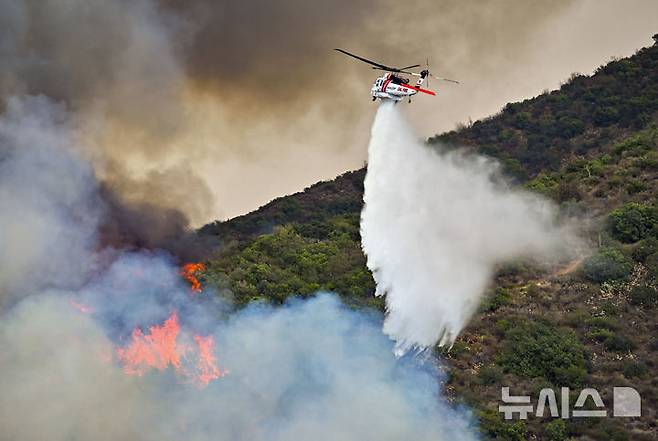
435	224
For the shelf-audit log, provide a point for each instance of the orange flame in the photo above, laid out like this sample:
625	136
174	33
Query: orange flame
207	369
156	350
160	348
189	272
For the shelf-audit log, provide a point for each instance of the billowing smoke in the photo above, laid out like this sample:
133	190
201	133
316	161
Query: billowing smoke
435	224
114	65
111	344
49	199
139	224
205	96
312	370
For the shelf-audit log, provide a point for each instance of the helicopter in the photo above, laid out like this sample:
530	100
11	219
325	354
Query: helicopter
391	86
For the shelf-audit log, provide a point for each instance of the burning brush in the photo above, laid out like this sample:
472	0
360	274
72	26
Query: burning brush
189	272
165	346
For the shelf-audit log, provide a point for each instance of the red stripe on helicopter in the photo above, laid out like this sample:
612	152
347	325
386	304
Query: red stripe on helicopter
418	89
385	85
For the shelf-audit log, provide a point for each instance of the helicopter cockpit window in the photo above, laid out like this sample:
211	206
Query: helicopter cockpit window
399	80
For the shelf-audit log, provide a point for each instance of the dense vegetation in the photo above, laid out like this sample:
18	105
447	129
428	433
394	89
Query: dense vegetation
592	146
300	260
578	119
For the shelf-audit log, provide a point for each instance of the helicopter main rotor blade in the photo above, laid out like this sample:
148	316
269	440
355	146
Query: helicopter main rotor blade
394	70
365	60
377	65
409	67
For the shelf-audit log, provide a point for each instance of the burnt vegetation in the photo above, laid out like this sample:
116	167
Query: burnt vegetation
591	146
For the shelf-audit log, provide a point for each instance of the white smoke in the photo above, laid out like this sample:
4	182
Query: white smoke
310	370
434	225
49	211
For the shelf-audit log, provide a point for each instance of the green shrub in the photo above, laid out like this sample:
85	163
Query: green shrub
512	167
596	167
567	127
645	248
609	308
615	181
523	120
602	322
651	262
538	349
632	222
490	374
618	343
607	264
649	161
635	186
605	116
601	328
500	297
494	426
556	430
502	326
635	145
568	190
544	184
513	269
458	348
644	296
635	369
606	159
600	335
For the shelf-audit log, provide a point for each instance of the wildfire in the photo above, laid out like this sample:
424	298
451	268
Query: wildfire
161	348
156	350
207	369
189	272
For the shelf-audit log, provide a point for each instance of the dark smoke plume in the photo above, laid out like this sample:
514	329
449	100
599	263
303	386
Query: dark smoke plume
140	225
215	92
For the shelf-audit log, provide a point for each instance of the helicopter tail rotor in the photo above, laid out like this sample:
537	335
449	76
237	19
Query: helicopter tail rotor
426	73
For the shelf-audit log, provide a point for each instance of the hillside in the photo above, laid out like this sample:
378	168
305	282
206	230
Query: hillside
592	146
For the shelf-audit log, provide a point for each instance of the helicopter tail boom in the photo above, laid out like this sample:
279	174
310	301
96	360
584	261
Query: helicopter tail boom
419	89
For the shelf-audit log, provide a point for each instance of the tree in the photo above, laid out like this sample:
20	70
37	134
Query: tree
556	430
644	296
633	222
538	349
607	264
492	425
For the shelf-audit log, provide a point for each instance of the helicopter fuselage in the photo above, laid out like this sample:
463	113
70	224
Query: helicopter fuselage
389	87
392	87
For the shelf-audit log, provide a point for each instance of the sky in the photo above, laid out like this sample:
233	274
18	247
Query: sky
215	108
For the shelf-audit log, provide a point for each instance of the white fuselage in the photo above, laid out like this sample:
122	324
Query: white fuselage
387	87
